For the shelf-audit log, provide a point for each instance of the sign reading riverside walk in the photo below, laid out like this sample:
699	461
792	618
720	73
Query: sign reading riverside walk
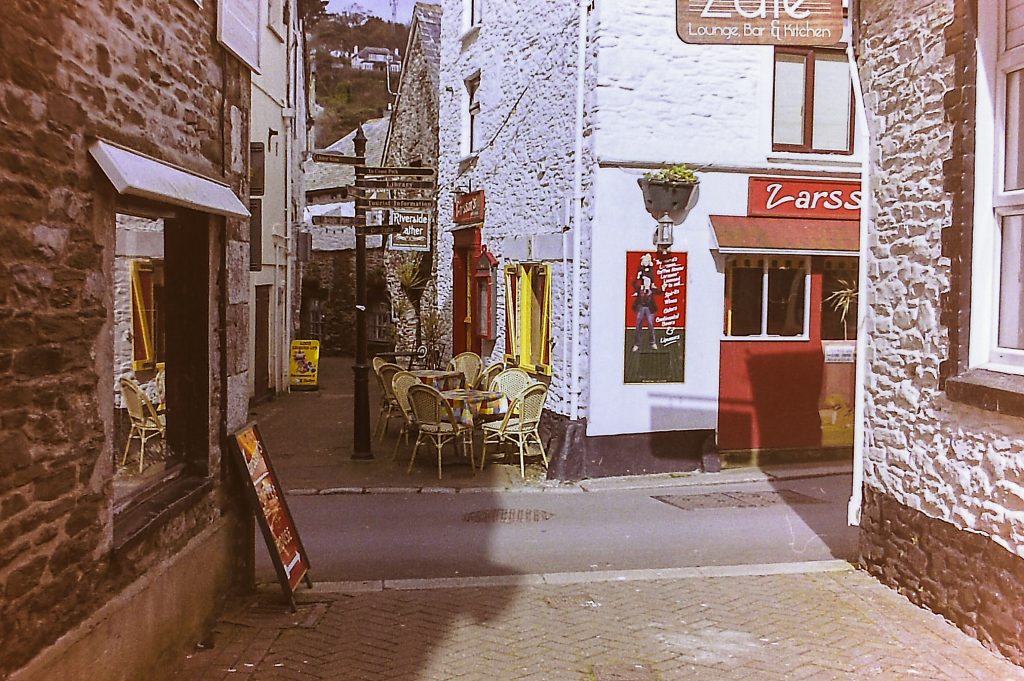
415	234
275	519
760	22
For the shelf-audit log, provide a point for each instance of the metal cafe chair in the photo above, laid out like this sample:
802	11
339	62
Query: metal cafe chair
146	422
435	421
469	365
519	427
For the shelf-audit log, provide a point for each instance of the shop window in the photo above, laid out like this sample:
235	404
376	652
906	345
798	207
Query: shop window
147	285
813	101
767	297
528	316
161	369
379	322
839	297
472	131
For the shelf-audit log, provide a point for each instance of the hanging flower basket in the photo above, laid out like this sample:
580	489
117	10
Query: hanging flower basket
668	191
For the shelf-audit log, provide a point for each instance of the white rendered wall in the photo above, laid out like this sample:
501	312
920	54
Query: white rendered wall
525	53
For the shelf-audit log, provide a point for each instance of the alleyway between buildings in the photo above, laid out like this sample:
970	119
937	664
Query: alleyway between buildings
806	618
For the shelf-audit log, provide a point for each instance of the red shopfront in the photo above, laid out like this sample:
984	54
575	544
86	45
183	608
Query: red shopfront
786	356
468	216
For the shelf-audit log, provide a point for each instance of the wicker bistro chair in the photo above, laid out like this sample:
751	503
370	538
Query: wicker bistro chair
512	382
146	422
520	424
470	364
388	404
487	375
436	422
402	382
378	362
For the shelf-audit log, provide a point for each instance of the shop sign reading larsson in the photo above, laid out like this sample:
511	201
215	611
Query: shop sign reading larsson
760	22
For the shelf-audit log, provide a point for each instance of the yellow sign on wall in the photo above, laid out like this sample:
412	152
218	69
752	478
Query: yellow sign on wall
305	359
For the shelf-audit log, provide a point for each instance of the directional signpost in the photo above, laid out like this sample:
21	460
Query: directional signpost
383	179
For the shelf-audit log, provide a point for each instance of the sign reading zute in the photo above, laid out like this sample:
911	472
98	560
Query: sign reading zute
760	22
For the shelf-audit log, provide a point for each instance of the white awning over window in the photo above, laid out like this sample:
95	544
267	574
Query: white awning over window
134	174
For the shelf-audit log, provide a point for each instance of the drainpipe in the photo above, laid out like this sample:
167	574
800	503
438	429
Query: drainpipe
857	494
577	218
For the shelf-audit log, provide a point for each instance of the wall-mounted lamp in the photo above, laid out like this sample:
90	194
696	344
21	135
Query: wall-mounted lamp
668	202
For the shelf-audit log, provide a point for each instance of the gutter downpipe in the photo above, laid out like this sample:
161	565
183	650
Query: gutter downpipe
577	217
857	493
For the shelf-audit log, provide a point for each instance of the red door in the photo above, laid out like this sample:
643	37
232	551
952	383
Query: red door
467	248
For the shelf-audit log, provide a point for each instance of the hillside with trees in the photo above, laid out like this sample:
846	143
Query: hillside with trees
349	96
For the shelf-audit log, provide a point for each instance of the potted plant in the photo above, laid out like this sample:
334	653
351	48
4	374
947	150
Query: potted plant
668	190
842	299
411	277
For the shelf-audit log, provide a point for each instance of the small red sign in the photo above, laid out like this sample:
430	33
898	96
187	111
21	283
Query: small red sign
779	197
469	208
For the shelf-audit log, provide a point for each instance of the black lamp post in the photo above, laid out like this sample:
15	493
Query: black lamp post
361	370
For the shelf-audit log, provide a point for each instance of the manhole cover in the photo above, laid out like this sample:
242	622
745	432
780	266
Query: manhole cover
508	515
623	672
690	502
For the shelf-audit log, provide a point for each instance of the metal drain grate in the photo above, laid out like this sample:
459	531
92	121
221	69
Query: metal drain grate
691	502
623	672
508	515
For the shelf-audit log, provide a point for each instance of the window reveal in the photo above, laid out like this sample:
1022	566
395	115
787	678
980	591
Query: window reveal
813	101
766	297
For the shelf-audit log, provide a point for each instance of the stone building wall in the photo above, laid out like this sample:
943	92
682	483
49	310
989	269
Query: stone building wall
152	77
413	138
942	519
525	166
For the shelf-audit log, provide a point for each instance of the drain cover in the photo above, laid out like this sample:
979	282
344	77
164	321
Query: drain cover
690	502
508	515
623	672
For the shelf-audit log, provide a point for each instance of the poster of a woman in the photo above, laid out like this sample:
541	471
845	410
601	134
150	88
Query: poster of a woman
655	317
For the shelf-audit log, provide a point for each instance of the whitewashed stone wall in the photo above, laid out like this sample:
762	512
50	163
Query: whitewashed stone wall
949	461
526	55
136	238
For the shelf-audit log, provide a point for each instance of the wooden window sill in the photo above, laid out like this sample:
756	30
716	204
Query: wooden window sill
990	390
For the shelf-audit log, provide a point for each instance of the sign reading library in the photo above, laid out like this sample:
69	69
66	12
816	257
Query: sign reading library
760	22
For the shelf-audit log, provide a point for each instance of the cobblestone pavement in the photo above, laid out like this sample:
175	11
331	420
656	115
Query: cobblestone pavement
739	625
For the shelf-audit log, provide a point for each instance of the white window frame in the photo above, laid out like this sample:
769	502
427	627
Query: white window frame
991	203
472	15
471	124
764	335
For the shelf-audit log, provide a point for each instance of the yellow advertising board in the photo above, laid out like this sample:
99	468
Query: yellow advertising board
305	359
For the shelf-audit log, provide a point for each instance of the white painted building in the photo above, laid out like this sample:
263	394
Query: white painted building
555	111
278	144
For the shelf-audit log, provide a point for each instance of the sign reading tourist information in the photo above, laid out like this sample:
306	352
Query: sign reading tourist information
469	208
275	519
779	197
760	22
415	231
394	203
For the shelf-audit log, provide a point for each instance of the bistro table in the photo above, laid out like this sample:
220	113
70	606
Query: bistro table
471	405
439	379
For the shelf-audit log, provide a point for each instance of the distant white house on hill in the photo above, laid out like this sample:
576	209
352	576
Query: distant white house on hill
376	59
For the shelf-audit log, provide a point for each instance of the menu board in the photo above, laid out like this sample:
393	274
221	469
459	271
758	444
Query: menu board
275	520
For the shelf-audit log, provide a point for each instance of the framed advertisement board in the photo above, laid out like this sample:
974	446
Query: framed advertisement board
268	503
655	317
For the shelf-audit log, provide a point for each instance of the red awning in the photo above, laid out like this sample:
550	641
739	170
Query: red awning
741	234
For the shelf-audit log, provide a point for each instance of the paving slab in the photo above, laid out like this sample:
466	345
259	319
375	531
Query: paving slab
837	623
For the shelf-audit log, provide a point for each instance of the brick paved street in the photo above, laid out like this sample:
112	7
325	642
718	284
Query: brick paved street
739	625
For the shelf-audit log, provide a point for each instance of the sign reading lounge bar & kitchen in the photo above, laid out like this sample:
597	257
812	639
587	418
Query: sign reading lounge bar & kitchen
760	22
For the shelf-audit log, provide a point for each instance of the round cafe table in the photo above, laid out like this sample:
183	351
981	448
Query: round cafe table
471	405
440	379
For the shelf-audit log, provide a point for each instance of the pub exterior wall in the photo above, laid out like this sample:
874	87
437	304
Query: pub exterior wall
151	77
528	90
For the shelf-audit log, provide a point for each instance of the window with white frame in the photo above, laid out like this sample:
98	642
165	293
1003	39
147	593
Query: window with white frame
767	296
474	13
1000	228
472	122
813	101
